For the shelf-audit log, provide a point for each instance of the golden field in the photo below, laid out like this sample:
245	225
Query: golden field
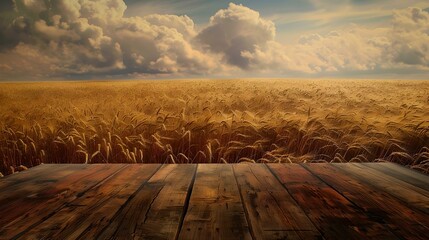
214	121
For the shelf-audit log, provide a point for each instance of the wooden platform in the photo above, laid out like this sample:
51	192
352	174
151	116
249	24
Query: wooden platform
217	201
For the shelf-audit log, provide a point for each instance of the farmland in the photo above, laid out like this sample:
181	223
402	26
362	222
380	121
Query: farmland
214	121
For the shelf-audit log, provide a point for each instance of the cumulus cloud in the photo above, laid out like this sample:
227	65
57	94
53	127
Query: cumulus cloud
410	37
248	41
237	30
403	45
354	49
161	44
182	24
83	37
92	37
24	59
58	31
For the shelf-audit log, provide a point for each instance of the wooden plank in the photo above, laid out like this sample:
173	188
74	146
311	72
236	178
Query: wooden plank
413	196
31	210
332	201
157	209
402	173
23	176
45	177
29	182
215	209
334	215
382	208
91	212
271	211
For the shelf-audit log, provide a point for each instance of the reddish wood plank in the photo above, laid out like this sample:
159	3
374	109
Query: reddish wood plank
382	208
414	197
157	209
405	174
91	212
215	209
19	192
29	182
33	209
272	213
334	215
115	202
26	175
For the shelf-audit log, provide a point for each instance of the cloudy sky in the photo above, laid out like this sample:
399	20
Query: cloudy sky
98	39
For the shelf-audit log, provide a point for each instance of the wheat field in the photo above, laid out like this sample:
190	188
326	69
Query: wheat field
214	121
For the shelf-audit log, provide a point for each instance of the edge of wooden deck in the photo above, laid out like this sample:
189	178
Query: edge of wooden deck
227	201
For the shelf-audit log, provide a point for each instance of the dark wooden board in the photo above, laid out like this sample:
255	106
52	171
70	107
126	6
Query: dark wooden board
215	210
157	209
23	176
30	182
30	210
215	201
402	173
333	214
272	212
381	207
91	212
409	194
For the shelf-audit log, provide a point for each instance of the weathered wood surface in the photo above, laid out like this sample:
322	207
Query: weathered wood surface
332	213
215	207
215	201
272	212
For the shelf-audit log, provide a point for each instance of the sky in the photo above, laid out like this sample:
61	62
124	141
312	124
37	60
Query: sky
132	39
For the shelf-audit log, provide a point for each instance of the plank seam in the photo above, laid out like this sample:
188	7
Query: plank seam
246	212
354	204
277	202
66	204
186	204
405	203
293	198
151	203
127	202
332	187
392	173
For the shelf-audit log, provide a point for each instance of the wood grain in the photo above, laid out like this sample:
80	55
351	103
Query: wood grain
411	195
91	212
156	210
32	209
215	209
402	173
272	212
215	201
333	214
383	208
30	182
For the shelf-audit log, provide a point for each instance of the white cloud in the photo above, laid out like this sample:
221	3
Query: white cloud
162	44
28	59
30	7
54	32
404	44
90	37
68	10
104	13
182	24
93	37
237	30
355	49
410	37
